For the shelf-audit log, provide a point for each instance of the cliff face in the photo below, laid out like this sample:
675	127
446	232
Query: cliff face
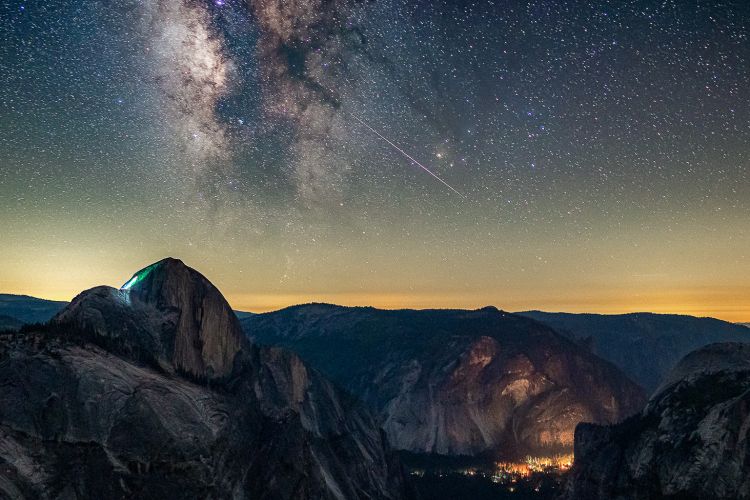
456	382
689	442
151	392
178	312
643	345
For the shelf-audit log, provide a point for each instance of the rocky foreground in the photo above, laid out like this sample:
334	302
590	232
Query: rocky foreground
690	442
152	391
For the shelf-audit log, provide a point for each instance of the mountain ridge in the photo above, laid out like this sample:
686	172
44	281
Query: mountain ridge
623	338
454	381
28	309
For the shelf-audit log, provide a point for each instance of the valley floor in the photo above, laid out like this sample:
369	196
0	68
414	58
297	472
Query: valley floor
440	478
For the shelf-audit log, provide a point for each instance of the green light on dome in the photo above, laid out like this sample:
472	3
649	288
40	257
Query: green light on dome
130	283
138	277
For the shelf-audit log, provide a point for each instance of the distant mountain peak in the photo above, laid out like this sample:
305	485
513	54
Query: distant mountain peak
191	324
491	309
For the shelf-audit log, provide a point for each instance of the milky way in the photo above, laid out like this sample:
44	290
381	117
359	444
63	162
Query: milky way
304	52
189	67
601	148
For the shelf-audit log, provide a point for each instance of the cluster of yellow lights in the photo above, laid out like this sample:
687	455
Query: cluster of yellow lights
555	463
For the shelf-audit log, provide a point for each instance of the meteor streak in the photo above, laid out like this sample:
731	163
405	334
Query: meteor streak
407	155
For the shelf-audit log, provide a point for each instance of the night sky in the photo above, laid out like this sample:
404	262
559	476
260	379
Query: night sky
579	156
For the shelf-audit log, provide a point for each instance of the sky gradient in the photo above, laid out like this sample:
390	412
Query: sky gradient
598	151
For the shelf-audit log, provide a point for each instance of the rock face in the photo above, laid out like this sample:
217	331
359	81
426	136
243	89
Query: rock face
456	382
689	442
645	346
150	391
182	317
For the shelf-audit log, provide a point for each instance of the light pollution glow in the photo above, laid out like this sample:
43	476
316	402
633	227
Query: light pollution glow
415	281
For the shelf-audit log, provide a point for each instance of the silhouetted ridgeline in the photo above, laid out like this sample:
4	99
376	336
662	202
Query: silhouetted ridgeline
25	309
644	345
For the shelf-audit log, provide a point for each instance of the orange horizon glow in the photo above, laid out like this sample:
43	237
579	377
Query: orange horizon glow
722	307
261	280
395	301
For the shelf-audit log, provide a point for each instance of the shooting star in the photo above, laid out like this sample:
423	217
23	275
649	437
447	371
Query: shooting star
406	155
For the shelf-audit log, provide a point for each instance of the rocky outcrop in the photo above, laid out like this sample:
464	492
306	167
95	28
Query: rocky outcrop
645	346
456	382
167	310
691	440
127	394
